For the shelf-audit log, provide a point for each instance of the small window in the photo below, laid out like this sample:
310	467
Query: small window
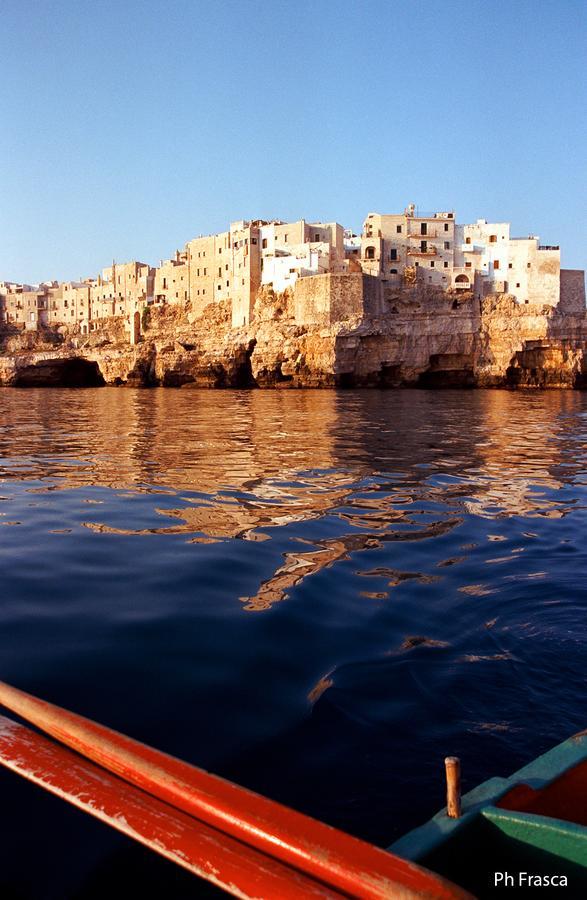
423	246
517	284
416	264
492	238
423	227
219	271
467	265
393	271
285	238
264	244
496	264
226	267
227	284
447	245
316	238
220	249
467	240
431	263
510	266
253	240
398	229
205	271
527	265
445	265
446	226
393	253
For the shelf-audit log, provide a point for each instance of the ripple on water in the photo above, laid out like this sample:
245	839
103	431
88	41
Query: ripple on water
414	560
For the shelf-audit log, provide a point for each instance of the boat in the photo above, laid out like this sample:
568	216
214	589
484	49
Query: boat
528	831
533	823
241	842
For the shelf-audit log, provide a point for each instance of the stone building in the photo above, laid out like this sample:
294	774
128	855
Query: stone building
489	261
393	245
315	260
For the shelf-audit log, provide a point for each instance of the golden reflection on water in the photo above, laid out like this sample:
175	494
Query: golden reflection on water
233	465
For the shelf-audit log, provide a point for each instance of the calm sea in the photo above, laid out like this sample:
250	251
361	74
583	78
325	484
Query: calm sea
317	594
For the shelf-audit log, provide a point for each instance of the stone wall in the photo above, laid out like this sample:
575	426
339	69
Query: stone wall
572	291
328	299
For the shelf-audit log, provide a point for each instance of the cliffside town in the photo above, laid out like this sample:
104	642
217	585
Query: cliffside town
415	299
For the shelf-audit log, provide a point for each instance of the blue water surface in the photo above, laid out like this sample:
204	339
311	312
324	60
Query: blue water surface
317	594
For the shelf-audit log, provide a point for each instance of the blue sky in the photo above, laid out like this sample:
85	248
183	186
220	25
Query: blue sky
130	127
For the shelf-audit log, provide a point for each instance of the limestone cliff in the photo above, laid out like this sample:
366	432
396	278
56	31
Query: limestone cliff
421	337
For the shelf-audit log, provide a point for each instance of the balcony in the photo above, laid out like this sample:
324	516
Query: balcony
416	251
431	233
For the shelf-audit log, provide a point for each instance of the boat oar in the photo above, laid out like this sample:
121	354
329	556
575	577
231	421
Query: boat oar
204	851
337	859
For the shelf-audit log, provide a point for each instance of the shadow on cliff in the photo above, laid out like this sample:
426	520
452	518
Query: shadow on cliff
75	372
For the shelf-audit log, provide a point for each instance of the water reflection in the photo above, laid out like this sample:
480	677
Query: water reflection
417	559
351	470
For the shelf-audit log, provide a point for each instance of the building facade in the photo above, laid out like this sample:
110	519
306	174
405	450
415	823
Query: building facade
398	249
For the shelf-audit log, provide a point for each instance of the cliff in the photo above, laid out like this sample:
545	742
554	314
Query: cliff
420	337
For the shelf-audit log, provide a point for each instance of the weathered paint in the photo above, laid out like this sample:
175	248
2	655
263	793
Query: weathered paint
338	860
204	851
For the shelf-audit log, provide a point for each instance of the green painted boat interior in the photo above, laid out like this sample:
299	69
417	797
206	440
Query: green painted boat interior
535	821
503	841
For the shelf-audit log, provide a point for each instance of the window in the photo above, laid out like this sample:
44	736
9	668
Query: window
393	271
467	240
370	253
316	238
527	265
416	264
431	263
446	226
205	271
198	273
398	229
423	246
227	283
492	238
253	240
264	244
517	284
445	265
393	253
218	287
510	266
226	267
219	271
496	264
220	249
423	227
447	245
165	284
285	238
467	265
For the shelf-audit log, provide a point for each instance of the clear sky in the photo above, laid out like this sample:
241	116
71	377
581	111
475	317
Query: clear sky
130	127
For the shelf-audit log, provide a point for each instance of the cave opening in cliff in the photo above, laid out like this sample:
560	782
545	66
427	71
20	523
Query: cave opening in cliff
60	373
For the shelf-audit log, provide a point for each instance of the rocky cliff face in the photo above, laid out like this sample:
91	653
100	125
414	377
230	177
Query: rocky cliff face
425	338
